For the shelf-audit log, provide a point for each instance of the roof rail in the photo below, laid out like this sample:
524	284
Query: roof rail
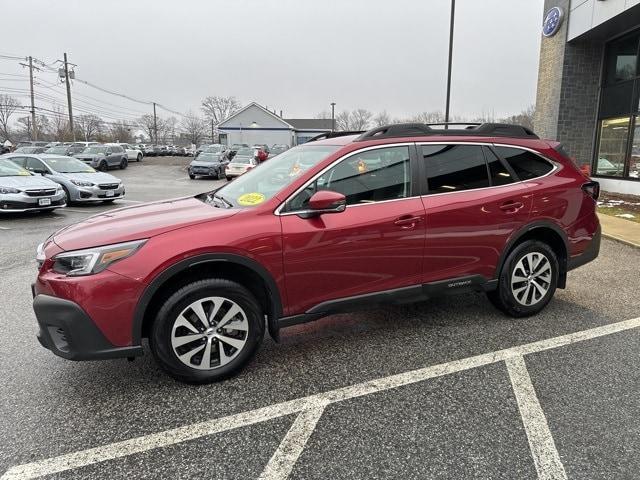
324	135
423	129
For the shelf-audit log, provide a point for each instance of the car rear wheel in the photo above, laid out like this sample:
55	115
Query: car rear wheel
528	280
207	331
123	164
229	179
192	176
139	157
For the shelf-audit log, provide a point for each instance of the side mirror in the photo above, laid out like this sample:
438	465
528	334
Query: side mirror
325	201
109	152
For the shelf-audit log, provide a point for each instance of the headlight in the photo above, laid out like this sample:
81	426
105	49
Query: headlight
80	183
6	190
93	260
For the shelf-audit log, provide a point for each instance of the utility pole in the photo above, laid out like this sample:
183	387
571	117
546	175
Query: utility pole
333	116
155	123
33	108
66	77
34	132
446	110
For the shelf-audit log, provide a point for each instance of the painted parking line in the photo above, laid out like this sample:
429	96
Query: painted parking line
543	448
5	228
313	402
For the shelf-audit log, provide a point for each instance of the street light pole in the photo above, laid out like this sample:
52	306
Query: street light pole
333	116
446	111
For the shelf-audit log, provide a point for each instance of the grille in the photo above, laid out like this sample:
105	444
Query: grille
41	193
108	186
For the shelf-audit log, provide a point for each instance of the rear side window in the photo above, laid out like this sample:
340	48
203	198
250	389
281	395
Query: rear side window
454	168
527	165
498	172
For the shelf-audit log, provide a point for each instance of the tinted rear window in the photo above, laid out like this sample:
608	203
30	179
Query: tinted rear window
453	168
527	165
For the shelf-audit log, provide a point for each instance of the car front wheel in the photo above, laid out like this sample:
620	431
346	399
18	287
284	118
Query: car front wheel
528	280
207	331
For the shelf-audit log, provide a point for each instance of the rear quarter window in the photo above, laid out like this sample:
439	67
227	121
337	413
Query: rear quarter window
525	164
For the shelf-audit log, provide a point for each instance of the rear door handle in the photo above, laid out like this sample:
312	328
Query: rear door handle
407	221
511	206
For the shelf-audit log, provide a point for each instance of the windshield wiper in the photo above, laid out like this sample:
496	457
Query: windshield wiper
224	201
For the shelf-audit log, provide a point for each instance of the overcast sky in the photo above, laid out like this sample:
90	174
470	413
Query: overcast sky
294	55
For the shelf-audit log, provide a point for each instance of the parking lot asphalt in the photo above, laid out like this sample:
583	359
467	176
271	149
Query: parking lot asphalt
417	391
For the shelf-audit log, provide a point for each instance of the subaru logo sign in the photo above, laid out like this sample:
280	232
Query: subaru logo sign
552	22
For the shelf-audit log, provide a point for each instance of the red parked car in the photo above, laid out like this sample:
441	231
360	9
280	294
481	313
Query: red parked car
399	213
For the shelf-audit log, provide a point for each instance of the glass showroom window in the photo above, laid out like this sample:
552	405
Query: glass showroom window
634	162
614	136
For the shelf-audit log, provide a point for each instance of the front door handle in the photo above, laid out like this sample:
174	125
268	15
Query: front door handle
407	221
511	206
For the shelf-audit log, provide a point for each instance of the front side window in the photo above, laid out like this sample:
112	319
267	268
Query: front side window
454	168
614	134
364	177
525	164
34	165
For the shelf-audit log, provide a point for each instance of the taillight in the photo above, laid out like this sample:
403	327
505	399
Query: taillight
592	189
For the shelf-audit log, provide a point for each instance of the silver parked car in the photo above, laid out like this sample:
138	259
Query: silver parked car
103	157
80	182
21	191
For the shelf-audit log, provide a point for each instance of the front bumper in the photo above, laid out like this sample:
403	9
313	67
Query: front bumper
21	202
67	330
96	194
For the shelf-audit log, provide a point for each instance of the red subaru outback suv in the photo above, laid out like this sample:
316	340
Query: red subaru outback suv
399	213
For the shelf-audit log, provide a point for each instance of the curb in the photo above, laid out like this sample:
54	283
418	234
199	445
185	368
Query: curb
621	240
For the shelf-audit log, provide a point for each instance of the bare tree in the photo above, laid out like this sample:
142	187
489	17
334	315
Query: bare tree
25	128
428	117
121	132
60	124
170	125
8	106
145	122
323	115
524	118
88	126
219	108
343	121
381	119
360	119
194	127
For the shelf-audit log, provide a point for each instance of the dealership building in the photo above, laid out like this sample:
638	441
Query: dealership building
589	87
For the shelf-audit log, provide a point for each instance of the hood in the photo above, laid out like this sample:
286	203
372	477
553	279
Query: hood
138	222
88	156
27	182
96	178
198	163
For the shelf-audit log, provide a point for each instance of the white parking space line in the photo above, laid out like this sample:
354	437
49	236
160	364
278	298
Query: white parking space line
282	462
5	228
126	200
190	432
543	449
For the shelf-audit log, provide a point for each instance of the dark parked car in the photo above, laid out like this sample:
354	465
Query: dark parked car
104	157
400	213
208	165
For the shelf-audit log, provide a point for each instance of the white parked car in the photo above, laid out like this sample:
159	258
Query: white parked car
133	154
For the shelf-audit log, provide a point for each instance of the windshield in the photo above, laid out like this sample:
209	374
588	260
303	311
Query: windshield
263	182
9	169
26	150
207	157
244	151
68	165
95	150
57	150
213	149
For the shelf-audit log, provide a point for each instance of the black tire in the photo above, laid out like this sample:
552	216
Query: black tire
220	174
160	335
139	158
192	177
103	166
123	163
504	299
67	196
229	179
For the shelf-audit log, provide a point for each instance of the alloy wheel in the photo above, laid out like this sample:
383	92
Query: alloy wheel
531	278
209	333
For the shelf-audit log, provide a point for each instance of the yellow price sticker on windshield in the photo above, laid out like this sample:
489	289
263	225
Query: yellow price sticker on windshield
250	199
24	173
